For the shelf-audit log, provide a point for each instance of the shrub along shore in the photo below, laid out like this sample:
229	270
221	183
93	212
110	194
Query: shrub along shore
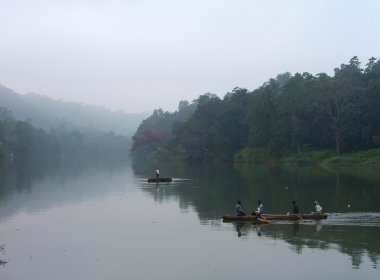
357	158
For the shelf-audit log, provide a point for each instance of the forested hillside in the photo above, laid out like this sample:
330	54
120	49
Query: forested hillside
47	113
155	131
286	115
37	127
20	141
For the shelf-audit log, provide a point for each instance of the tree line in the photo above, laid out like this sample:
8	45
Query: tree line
47	113
288	114
20	140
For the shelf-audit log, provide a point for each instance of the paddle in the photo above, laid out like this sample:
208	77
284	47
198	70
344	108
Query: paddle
296	215
263	220
302	219
299	217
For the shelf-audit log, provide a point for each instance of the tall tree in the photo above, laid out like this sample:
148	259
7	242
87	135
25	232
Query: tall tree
339	103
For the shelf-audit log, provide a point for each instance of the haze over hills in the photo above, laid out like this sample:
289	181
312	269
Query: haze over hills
47	113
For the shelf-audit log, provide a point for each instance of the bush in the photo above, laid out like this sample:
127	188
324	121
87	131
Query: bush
251	155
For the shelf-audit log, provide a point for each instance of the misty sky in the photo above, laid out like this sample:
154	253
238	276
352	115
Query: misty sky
138	55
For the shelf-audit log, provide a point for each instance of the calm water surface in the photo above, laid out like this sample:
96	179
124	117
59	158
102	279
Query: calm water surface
102	220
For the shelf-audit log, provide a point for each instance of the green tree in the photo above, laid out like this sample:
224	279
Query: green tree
340	102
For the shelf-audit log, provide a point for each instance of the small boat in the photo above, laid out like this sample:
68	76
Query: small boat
161	179
290	217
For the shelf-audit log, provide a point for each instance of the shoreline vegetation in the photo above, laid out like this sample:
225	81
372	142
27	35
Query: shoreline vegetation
369	158
301	119
358	158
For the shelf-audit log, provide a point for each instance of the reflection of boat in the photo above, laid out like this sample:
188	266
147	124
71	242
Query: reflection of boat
291	217
161	179
359	241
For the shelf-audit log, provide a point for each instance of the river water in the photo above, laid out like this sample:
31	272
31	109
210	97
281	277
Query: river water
103	220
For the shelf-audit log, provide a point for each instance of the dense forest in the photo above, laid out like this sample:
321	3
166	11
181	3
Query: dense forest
289	114
155	131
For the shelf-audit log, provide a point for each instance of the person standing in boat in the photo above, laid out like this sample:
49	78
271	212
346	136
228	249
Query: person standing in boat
260	209
239	210
318	208
295	209
157	174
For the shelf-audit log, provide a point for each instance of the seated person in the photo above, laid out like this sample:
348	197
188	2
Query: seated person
318	208
239	210
260	209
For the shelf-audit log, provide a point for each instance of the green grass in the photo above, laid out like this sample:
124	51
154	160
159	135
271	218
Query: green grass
307	158
368	157
325	157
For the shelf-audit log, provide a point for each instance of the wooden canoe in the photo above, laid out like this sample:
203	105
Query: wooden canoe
161	179
290	217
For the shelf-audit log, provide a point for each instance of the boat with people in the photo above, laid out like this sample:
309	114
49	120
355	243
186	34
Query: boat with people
287	217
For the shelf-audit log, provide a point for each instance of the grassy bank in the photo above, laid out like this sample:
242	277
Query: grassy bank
369	157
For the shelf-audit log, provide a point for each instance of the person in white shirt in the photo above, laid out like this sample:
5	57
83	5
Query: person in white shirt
318	208
157	174
260	209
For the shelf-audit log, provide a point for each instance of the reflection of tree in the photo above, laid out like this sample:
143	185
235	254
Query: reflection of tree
41	181
213	190
354	241
297	248
221	185
357	242
375	258
356	256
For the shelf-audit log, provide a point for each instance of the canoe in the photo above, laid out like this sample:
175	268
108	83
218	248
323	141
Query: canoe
291	217
161	179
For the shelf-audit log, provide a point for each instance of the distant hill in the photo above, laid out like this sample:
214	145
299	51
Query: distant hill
48	113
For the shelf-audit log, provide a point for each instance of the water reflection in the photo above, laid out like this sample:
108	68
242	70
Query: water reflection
296	227
353	194
358	242
238	228
335	189
210	191
38	186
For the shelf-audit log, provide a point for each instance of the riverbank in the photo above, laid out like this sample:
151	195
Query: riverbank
360	158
